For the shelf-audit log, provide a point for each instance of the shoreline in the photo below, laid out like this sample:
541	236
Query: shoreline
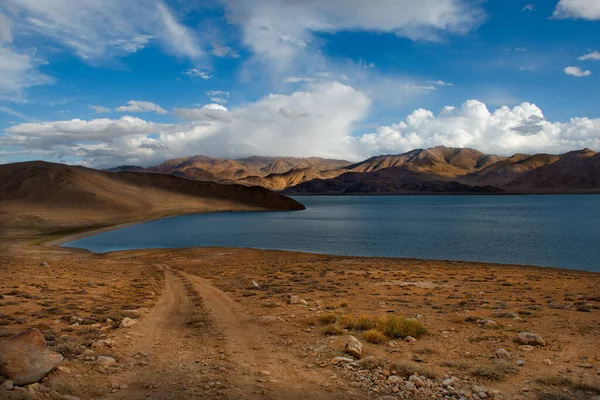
59	242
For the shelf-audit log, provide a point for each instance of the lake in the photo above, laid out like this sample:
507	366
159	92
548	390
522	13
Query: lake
546	230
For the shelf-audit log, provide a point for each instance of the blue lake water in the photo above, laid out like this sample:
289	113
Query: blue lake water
547	230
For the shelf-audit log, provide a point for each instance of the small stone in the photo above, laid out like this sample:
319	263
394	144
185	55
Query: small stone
520	363
503	354
410	339
530	338
341	360
105	361
547	361
265	373
417	381
489	324
394	379
127	323
44	264
392	343
449	381
255	285
353	347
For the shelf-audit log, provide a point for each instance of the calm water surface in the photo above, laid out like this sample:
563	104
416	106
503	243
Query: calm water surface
554	230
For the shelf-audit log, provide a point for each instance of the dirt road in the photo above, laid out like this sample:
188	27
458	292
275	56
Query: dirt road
198	342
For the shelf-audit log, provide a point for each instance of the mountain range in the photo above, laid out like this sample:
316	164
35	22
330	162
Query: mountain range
436	170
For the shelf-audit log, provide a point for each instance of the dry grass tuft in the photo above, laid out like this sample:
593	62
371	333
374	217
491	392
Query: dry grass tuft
333	329
375	337
496	371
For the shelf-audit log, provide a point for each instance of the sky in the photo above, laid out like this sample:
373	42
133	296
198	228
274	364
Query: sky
136	82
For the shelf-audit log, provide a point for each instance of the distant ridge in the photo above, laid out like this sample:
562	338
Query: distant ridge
573	172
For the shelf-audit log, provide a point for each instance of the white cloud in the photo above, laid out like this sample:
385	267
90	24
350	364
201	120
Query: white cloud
17	73
99	109
96	30
297	79
195	72
578	72
219	100
440	83
594	55
10	111
132	45
280	31
217	93
141	106
5	33
316	122
584	9
529	7
505	131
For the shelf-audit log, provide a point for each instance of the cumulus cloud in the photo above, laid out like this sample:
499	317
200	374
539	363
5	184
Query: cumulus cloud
141	106
584	9
319	121
578	72
17	73
99	29
594	55
504	131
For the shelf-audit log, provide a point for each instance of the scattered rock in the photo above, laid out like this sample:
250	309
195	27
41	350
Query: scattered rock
520	363
392	343
410	339
547	361
26	359
341	360
255	285
489	324
127	322
503	354
354	347
529	338
526	347
394	379
7	385
268	319
105	361
417	381
44	264
295	299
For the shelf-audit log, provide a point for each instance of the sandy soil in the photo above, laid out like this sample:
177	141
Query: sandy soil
205	331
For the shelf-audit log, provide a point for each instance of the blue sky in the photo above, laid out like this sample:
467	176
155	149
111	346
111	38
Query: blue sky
137	82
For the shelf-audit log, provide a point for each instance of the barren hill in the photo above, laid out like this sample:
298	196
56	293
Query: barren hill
576	171
396	180
37	194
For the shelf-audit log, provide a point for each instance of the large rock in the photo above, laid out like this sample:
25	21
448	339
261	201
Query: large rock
529	338
26	359
354	347
127	322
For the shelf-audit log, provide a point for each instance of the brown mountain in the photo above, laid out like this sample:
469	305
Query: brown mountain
573	171
206	168
446	162
40	193
397	180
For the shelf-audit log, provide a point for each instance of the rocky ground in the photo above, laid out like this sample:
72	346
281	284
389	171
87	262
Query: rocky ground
250	324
